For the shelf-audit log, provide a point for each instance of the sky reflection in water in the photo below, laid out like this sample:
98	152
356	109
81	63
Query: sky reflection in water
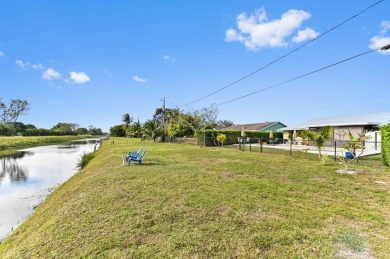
28	177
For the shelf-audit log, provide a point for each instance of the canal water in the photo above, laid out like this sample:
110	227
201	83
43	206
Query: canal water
27	178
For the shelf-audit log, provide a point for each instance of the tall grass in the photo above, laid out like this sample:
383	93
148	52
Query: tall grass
85	159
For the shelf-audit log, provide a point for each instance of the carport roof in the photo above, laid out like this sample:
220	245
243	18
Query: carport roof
376	119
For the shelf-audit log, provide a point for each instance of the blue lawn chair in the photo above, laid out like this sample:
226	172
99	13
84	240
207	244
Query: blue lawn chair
137	157
130	154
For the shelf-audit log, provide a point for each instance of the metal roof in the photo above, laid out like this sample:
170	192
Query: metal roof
377	119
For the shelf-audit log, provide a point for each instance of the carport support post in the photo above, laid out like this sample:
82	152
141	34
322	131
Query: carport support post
335	150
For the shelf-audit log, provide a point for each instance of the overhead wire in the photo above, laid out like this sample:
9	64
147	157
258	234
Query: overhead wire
301	76
284	56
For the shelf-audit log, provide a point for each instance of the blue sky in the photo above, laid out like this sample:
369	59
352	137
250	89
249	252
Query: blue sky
90	62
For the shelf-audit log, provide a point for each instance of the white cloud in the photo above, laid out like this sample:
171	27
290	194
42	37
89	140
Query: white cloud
22	64
378	42
138	79
1	54
79	77
306	34
168	58
38	66
256	31
51	74
385	26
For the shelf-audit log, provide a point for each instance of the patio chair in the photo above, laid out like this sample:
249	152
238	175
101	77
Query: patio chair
133	153
137	157
130	154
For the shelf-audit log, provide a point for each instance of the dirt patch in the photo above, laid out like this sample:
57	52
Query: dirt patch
350	171
353	245
320	179
254	216
347	253
223	210
227	176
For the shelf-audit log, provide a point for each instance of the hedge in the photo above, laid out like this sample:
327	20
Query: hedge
385	133
209	137
46	132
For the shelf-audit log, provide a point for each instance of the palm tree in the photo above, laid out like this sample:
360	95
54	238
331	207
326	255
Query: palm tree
137	129
127	119
151	129
319	138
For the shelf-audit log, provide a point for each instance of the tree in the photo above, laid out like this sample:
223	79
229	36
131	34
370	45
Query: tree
319	138
16	108
82	131
355	143
117	131
224	123
164	116
136	129
181	127
202	119
65	127
151	129
94	130
127	119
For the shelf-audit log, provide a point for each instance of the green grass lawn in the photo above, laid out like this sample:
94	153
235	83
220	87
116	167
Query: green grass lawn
200	202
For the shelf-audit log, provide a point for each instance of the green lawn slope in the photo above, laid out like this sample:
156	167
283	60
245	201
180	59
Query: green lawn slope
201	202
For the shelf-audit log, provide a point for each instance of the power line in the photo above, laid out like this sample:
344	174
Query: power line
304	75
282	57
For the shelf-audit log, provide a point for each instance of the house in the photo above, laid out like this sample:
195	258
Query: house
263	126
342	125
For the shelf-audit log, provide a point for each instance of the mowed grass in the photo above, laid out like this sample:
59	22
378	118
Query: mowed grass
201	202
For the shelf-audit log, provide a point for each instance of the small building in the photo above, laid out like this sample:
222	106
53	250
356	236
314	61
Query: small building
342	125
263	126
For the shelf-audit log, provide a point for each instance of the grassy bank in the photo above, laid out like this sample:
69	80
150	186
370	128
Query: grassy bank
186	201
10	145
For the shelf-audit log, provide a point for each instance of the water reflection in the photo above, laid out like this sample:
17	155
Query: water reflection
29	176
9	167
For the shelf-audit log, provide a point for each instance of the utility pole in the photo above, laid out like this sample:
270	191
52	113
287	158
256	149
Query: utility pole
163	120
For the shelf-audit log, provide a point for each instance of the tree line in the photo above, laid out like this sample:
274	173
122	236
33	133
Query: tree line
171	123
9	126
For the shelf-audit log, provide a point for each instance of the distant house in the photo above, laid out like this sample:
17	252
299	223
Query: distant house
263	126
342	125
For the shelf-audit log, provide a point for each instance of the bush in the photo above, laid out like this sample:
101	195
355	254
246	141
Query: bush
85	159
6	130
385	132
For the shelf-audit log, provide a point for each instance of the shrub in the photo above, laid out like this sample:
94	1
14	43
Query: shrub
85	159
6	130
221	138
385	132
